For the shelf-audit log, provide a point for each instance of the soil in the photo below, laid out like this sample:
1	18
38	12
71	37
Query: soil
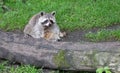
75	36
78	35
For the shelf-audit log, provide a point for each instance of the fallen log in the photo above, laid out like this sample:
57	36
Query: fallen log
59	55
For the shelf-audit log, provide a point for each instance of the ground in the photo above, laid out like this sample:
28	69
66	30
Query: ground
79	35
75	36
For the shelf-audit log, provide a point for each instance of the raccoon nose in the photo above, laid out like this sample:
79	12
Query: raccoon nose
50	24
58	39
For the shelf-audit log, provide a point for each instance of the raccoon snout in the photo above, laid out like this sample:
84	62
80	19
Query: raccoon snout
50	24
58	39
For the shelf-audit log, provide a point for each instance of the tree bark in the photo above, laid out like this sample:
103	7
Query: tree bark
59	55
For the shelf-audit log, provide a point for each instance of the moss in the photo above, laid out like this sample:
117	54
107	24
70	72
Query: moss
95	62
93	58
60	59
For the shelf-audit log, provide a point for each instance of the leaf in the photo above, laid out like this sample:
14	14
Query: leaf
108	72
99	70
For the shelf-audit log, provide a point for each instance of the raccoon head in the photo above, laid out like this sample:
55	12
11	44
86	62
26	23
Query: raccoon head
47	19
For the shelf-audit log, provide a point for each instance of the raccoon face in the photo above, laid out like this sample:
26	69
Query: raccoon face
47	19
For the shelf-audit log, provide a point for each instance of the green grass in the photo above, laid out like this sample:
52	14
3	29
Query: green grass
24	69
6	68
71	14
104	35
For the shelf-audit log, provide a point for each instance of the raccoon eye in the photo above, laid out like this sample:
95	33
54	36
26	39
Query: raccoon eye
52	21
45	22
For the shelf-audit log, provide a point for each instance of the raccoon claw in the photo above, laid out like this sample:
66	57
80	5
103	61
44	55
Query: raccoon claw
26	36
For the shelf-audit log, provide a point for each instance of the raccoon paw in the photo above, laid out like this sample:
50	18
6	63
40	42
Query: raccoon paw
26	36
63	34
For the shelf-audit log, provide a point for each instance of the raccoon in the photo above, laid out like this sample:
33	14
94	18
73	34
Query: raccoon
43	25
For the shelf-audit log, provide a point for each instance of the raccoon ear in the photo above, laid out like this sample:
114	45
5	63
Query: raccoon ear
42	13
53	13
